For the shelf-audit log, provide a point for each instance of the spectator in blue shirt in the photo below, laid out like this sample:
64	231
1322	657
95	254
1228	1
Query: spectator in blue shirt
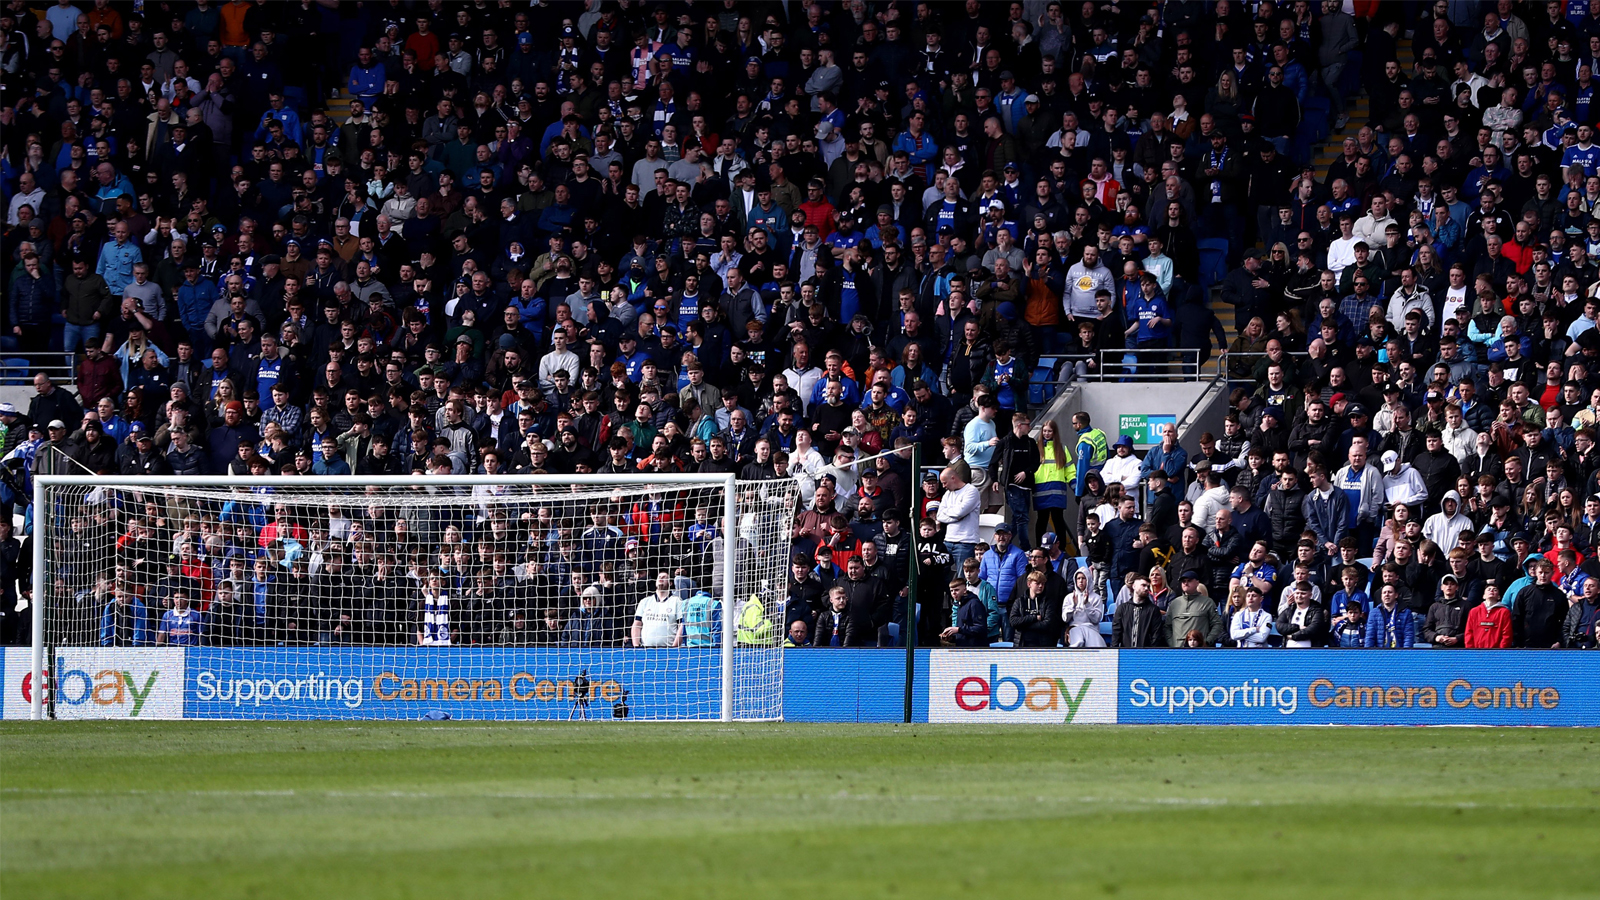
180	625
1150	321
980	436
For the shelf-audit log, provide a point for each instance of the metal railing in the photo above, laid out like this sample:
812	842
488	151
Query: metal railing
1166	364
18	369
1249	360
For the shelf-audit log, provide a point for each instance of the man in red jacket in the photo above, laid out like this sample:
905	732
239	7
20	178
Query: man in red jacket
1489	623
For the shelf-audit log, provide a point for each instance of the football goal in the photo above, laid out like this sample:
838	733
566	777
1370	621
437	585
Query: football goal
637	597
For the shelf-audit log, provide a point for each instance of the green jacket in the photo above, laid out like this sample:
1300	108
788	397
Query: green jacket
83	297
1192	612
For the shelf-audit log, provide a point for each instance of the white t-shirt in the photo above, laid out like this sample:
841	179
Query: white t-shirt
659	619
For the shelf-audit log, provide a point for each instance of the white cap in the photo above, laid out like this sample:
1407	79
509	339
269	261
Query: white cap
1391	460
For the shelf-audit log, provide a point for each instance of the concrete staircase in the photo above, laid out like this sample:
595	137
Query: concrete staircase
1359	110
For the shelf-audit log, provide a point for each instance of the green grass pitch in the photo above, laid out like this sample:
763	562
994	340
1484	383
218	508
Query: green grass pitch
458	809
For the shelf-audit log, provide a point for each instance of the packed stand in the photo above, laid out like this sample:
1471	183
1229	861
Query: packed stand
655	238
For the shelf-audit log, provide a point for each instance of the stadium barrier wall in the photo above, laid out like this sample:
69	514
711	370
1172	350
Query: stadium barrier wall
1312	687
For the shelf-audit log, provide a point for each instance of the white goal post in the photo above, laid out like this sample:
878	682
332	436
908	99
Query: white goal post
409	596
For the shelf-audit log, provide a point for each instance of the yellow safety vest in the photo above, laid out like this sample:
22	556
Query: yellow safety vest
1099	451
754	629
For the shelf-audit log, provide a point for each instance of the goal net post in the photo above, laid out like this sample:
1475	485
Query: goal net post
638	597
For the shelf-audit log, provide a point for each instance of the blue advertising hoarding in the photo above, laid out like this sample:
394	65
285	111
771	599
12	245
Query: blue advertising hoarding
1284	687
466	683
1351	687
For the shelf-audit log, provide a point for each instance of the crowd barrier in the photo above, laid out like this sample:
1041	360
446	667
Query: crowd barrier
1310	687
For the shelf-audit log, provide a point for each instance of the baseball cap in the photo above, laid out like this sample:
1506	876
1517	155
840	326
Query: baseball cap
1003	528
57	423
1356	409
524	38
1049	539
1391	460
1031	98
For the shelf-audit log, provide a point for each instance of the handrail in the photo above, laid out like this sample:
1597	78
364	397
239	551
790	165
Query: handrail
1220	377
58	365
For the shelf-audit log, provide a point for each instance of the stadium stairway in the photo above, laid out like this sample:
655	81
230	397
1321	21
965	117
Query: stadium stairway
1360	111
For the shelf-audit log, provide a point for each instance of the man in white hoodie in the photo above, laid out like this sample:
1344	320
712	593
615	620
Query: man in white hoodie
1402	483
1446	526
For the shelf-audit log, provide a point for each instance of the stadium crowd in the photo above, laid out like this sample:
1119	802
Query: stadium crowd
798	239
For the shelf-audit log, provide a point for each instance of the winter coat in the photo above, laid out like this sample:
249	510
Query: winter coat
1035	620
972	623
1446	618
1313	627
868	606
1329	518
1192	612
31	300
1136	625
1488	627
1537	615
86	296
1284	511
1004	572
1394	629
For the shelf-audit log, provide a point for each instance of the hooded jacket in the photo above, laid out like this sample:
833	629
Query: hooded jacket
1192	612
1446	526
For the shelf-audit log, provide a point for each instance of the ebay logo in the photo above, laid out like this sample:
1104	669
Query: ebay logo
1008	693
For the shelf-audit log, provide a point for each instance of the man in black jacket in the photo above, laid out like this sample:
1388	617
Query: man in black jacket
1538	611
1012	466
1035	615
1137	624
1446	624
805	599
833	624
867	604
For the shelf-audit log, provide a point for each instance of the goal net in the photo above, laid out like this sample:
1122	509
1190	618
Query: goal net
525	597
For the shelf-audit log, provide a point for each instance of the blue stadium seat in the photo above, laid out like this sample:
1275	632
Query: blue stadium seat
1319	112
1213	262
1041	384
14	371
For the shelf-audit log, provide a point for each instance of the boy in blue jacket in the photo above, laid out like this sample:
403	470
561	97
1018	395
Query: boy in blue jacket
971	628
